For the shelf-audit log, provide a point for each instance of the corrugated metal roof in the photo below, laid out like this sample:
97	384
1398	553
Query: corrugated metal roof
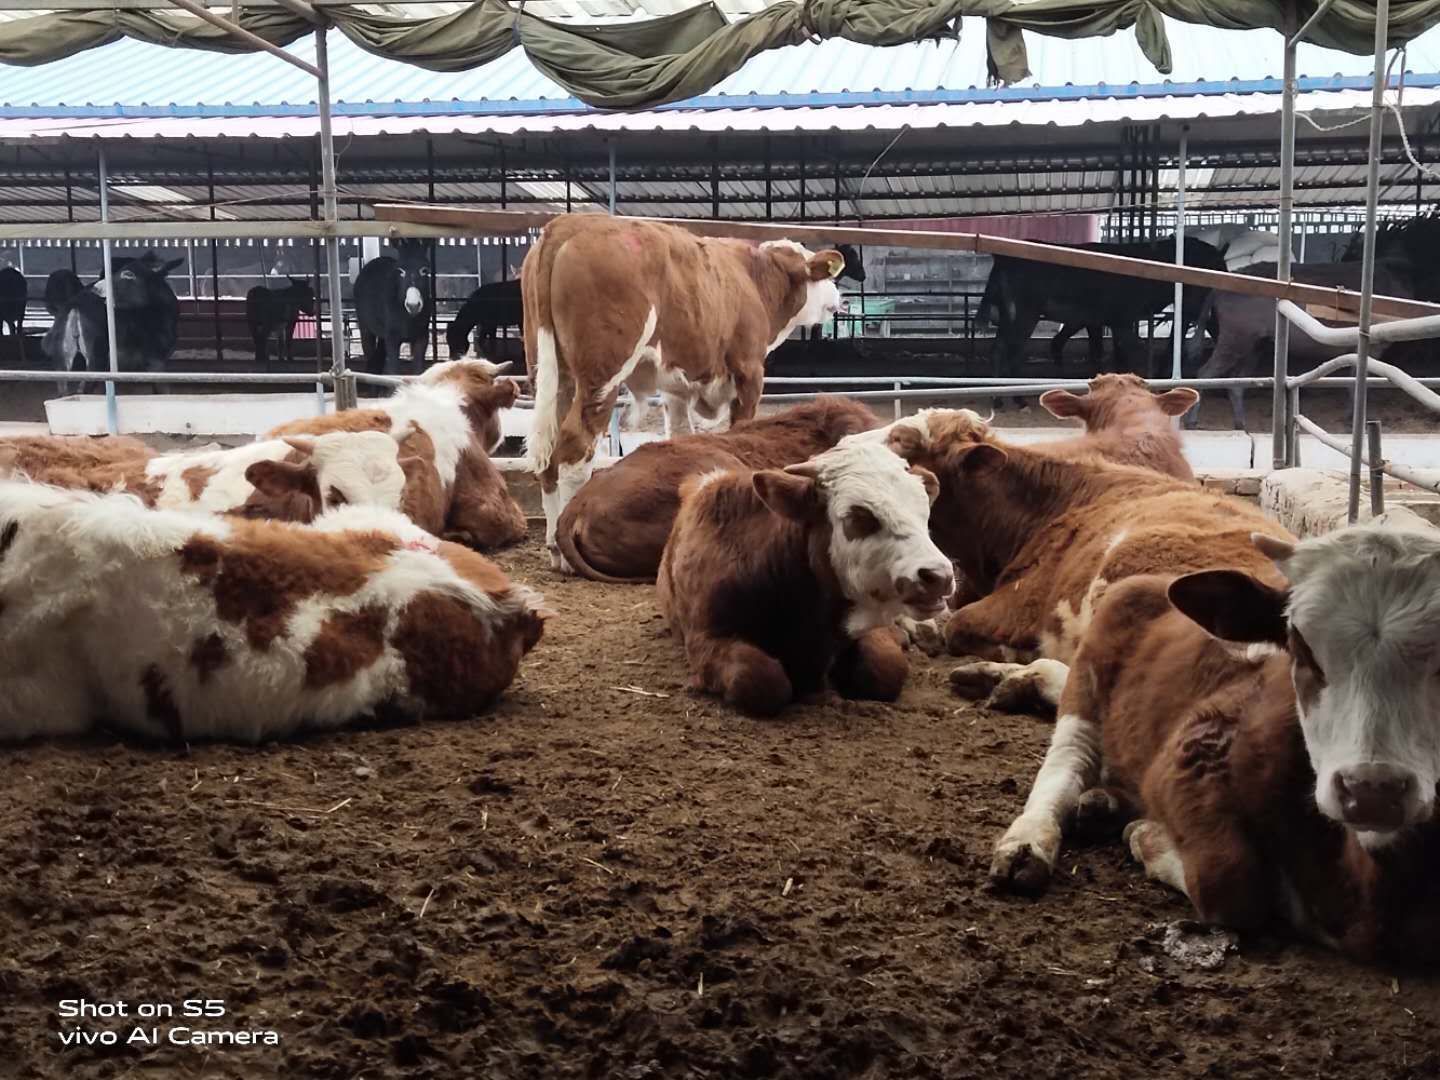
135	75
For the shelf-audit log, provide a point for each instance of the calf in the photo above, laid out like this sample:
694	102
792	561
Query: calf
774	580
616	527
1124	423
178	627
612	302
1285	766
287	479
448	422
276	311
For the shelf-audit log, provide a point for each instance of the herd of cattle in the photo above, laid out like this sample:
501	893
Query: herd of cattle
1258	714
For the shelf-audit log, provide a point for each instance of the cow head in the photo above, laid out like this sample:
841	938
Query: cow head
1113	397
809	295
1360	619
854	268
413	281
342	468
482	394
301	295
876	510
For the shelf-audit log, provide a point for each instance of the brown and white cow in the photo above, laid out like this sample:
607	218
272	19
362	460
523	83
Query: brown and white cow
448	423
616	526
1284	768
290	479
180	626
775	580
611	303
1125	422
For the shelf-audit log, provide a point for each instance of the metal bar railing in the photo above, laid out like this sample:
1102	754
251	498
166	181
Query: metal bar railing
1389	468
231	377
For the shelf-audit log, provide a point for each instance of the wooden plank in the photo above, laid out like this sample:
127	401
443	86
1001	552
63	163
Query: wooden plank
513	222
221	230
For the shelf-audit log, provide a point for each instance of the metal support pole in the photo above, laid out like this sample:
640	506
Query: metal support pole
1377	469
434	259
112	408
214	269
344	387
1367	268
612	177
1282	270
1177	324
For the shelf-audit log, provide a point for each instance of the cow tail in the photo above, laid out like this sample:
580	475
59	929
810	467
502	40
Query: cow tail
542	357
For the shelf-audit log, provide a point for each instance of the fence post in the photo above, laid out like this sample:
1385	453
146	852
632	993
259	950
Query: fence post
1292	429
898	406
1377	469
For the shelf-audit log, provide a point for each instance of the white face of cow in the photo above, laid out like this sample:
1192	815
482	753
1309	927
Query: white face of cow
878	513
822	296
357	468
1362	625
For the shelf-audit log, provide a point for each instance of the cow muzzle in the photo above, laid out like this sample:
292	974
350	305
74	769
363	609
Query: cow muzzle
1377	798
413	301
925	592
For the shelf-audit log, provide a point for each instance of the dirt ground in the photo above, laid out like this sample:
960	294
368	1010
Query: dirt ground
610	877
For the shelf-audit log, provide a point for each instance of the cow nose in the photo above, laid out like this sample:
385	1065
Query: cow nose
936	582
1374	798
928	588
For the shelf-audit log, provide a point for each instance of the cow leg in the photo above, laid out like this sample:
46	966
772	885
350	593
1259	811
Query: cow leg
745	676
982	630
1237	406
1095	344
1102	813
418	348
677	413
1025	855
1217	869
1154	849
574	458
872	667
1024	688
746	400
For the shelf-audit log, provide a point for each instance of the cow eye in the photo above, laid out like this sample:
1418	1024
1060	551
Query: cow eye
860	523
335	498
1300	650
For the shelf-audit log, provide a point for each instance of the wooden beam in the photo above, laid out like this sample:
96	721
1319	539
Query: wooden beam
513	222
222	230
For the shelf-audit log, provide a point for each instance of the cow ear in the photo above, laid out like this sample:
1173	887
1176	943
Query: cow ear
906	440
790	496
932	485
165	268
980	458
297	442
1272	547
825	264
1177	402
494	396
1232	605
1063	404
295	488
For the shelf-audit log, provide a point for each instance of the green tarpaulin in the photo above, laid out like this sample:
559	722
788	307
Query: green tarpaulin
641	64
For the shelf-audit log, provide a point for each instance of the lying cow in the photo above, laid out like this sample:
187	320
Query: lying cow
292	479
1285	767
774	580
693	317
448	422
1125	422
179	627
615	529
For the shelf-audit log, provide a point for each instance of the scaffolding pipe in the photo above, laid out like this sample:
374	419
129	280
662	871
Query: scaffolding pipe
255	40
1367	266
1177	323
612	177
112	407
344	390
1278	422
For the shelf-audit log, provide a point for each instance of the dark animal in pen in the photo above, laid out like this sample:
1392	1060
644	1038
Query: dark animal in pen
147	318
854	271
489	309
275	312
1246	343
393	304
1020	292
60	286
13	295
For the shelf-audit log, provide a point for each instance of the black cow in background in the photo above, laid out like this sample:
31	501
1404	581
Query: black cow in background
13	295
487	310
854	271
276	311
393	303
60	286
147	321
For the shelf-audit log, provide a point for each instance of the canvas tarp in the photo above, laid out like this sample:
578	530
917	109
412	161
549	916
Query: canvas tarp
644	63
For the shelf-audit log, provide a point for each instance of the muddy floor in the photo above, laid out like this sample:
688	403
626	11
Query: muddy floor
610	877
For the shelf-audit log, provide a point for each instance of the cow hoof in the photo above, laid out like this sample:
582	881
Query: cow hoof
1098	816
975	681
927	636
1144	839
1020	867
559	563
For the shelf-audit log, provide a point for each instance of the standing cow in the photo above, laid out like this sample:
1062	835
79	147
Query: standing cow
489	309
276	311
393	304
13	294
610	302
60	287
854	270
147	320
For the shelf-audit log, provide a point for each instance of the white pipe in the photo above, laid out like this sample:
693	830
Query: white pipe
112	407
1177	324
